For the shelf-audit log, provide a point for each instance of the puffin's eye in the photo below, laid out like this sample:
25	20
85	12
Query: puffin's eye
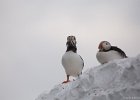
107	43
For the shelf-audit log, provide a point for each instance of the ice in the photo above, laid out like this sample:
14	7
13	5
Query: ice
116	80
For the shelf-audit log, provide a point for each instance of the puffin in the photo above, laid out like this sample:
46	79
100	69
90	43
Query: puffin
108	53
71	61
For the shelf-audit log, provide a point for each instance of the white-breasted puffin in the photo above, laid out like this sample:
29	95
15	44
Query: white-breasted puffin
107	52
71	61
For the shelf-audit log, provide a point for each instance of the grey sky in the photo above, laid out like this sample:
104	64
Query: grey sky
33	35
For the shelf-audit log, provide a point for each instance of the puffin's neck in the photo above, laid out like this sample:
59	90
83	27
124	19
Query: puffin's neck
103	50
71	48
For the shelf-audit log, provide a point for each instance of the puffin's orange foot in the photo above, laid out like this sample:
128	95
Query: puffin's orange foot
66	81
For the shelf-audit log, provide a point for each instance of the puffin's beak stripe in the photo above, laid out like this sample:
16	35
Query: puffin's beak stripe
100	46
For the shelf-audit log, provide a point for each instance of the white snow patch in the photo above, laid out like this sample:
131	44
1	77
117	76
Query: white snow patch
116	80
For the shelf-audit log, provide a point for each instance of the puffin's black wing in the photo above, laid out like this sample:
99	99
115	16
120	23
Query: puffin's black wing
82	60
119	50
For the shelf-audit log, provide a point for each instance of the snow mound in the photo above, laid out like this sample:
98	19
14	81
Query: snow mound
116	80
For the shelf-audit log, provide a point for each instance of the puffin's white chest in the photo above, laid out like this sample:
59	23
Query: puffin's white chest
104	57
72	63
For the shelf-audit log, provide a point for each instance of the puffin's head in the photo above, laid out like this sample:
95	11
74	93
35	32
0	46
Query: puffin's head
71	41
104	45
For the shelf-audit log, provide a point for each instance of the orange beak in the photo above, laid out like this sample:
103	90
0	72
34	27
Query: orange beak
100	45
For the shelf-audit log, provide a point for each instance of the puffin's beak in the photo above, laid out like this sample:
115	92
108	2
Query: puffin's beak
100	46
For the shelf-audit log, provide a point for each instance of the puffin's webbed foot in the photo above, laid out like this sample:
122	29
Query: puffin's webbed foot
66	80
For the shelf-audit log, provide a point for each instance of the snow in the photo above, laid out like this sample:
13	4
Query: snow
116	80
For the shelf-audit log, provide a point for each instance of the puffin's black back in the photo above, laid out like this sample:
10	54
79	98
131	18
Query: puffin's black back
118	50
71	48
